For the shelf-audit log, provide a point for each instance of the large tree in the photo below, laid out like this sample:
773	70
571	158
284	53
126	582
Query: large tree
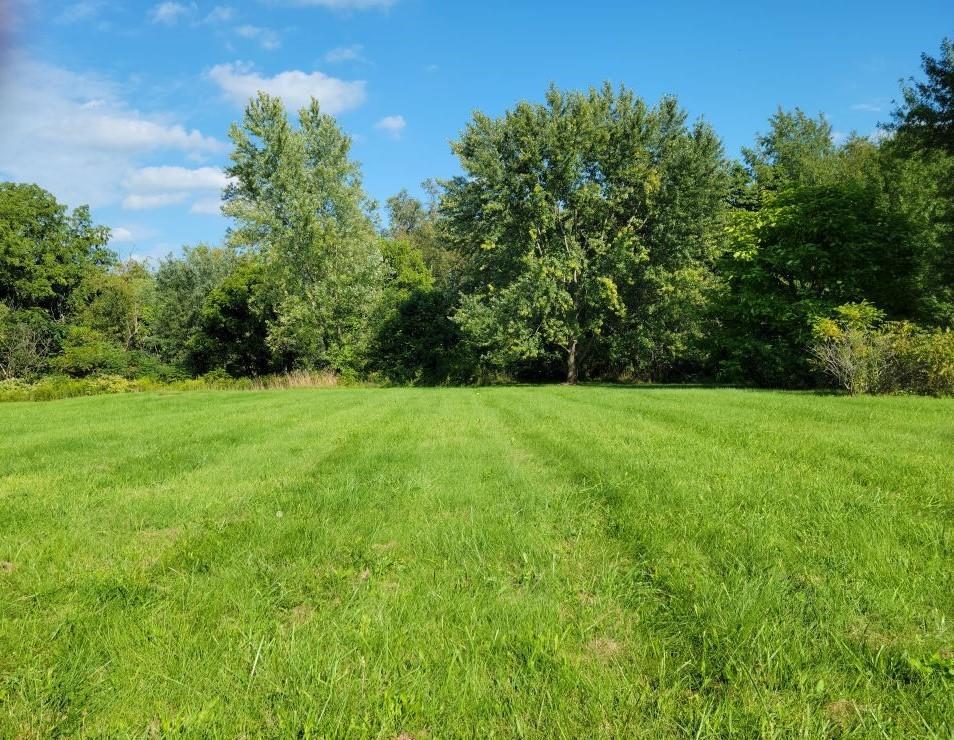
46	253
808	249
816	225
797	148
182	286
45	250
923	142
232	326
925	118
119	303
297	202
572	216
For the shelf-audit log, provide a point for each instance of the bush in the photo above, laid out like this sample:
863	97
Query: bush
27	341
864	355
937	359
62	386
852	348
14	389
88	352
923	359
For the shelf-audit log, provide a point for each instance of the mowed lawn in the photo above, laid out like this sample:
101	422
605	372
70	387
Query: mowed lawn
522	561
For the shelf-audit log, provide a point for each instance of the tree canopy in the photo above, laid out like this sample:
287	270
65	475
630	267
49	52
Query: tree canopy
590	235
570	214
297	204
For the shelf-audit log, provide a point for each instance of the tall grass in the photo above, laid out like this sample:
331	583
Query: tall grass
55	387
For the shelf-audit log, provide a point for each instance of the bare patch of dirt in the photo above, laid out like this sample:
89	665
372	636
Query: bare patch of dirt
301	614
7	567
842	712
365	574
871	637
603	649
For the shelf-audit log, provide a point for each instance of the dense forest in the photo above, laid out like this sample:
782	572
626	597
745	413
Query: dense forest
592	236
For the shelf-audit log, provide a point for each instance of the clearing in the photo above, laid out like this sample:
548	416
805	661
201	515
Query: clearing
537	561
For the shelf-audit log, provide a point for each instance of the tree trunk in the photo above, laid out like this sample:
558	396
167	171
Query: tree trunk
572	371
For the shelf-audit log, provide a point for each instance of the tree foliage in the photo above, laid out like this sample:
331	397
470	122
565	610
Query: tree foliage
566	213
591	235
925	118
297	202
816	226
420	225
182	286
232	330
45	250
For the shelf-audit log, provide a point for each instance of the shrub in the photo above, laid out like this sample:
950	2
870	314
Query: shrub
923	359
61	386
14	389
28	339
852	348
88	352
864	355
937	358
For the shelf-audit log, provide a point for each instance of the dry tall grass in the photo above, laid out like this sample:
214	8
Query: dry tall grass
297	379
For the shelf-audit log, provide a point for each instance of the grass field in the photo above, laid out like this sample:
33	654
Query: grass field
547	561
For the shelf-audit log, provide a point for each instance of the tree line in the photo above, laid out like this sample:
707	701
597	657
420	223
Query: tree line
590	236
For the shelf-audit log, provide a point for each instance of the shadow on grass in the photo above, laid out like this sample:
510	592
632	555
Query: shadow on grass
711	386
622	386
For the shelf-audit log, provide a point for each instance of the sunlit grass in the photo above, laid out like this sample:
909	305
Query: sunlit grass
540	561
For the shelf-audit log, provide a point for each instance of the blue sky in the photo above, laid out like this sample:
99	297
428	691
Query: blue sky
126	105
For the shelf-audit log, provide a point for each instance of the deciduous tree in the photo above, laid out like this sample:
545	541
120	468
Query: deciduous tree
296	200
570	215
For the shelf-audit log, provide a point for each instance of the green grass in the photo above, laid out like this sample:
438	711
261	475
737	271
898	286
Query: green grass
545	561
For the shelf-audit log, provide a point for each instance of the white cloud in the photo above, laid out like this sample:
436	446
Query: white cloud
220	14
392	125
167	179
121	234
296	88
207	207
74	135
353	53
266	37
130	234
156	187
170	13
345	4
867	107
126	131
81	11
137	202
